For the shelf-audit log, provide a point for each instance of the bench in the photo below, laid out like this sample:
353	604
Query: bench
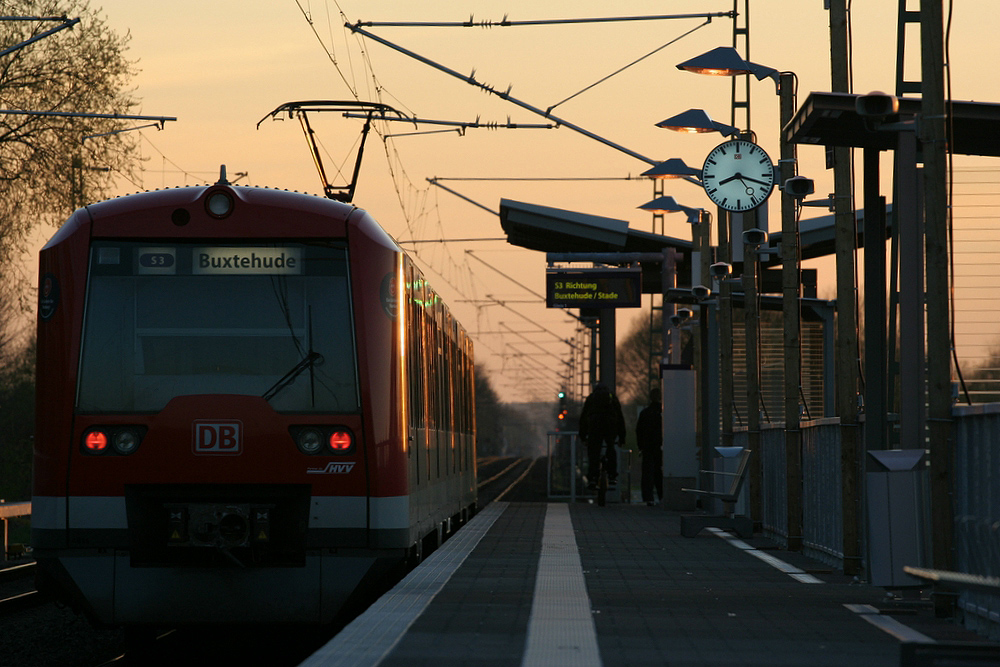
949	580
926	654
692	524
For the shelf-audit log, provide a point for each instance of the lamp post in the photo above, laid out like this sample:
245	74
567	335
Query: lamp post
726	61
701	235
708	387
697	121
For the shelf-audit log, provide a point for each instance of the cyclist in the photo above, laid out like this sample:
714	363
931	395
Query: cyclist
601	422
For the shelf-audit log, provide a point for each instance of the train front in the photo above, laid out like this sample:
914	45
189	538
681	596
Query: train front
200	452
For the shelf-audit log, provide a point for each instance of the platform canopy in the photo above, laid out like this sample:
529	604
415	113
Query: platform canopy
557	230
831	119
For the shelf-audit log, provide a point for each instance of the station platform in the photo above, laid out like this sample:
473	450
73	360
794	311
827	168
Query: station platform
579	585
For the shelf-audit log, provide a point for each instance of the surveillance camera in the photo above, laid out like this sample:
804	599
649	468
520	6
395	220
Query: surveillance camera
684	313
799	187
700	292
675	321
755	236
876	105
720	270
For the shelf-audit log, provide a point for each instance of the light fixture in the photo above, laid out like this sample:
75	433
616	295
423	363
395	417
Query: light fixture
726	61
672	168
219	204
667	204
696	121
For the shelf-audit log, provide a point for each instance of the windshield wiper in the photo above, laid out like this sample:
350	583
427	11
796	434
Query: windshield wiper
311	359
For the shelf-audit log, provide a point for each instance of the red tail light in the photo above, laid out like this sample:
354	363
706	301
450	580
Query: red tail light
95	441
341	441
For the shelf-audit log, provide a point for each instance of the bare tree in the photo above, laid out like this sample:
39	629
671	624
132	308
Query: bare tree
51	164
638	359
504	429
489	433
17	424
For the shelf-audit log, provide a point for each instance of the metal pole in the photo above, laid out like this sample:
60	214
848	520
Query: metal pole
725	333
792	326
933	110
751	322
594	344
607	342
845	228
67	23
708	370
711	390
876	366
909	222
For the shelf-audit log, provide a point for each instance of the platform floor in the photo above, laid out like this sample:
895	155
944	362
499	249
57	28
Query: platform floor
578	585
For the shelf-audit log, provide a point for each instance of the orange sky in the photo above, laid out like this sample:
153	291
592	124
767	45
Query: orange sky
221	66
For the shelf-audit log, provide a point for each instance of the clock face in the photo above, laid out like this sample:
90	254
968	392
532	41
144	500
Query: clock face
738	175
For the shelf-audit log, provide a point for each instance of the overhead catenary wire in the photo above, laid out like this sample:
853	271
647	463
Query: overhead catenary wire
505	95
421	215
625	67
507	23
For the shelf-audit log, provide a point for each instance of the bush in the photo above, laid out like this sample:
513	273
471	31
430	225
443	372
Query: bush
17	424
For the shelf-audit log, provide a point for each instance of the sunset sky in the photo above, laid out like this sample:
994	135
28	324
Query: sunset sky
222	66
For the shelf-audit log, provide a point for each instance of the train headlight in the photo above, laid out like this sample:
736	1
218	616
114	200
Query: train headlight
112	440
309	441
219	204
125	442
323	440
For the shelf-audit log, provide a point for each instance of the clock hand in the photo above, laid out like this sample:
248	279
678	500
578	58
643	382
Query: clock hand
752	180
731	178
742	179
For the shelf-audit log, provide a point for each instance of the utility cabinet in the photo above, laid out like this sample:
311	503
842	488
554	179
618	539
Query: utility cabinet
897	515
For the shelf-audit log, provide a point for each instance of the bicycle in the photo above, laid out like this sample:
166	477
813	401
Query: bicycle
607	451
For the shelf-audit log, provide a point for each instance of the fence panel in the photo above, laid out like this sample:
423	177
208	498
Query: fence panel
977	509
822	511
774	496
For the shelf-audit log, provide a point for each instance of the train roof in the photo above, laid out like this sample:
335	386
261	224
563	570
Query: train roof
189	194
187	211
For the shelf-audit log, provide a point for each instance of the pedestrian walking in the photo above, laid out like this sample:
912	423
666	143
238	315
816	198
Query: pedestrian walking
649	436
601	422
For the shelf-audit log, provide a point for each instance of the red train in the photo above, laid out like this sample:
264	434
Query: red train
250	406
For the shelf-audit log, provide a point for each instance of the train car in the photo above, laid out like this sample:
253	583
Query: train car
251	406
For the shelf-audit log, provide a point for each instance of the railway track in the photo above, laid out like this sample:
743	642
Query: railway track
498	476
69	639
18	593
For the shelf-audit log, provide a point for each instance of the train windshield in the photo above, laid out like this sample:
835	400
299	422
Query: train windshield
166	320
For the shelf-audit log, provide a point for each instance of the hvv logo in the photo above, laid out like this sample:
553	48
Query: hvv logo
332	469
218	438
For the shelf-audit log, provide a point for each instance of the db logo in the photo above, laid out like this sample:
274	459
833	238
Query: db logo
218	438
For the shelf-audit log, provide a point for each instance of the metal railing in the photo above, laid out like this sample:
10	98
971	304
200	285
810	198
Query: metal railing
567	467
976	437
822	529
822	509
